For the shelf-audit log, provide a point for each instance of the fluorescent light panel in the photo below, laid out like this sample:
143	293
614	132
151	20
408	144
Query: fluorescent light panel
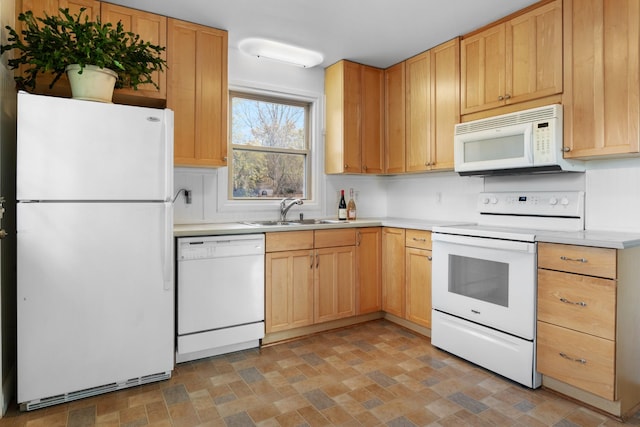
282	52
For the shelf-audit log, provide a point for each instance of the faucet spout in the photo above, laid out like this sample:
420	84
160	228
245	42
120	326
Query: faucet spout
284	206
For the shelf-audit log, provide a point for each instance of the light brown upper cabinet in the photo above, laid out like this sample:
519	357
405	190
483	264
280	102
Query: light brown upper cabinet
432	108
602	63
197	93
354	118
151	28
51	7
516	60
394	112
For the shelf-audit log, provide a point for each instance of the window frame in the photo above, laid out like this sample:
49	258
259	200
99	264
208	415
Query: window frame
218	186
272	98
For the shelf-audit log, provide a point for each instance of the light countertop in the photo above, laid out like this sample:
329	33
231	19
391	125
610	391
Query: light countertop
596	238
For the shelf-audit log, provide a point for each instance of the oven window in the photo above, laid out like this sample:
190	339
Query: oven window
479	279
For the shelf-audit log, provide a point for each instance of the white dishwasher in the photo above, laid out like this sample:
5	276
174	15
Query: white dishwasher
220	295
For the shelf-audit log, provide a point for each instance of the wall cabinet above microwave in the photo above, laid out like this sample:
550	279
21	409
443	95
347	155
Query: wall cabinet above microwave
513	61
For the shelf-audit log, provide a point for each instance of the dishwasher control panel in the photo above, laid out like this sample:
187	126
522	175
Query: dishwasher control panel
192	248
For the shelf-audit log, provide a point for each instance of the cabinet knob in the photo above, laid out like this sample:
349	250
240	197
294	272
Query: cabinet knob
500	98
364	168
346	166
507	96
224	158
430	258
566	149
3	234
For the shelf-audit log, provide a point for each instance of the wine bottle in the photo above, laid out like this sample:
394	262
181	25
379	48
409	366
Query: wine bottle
351	207
342	207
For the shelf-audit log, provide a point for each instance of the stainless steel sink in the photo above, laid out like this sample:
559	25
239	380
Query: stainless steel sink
292	222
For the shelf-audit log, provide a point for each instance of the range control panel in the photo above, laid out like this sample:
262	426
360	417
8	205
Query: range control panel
569	204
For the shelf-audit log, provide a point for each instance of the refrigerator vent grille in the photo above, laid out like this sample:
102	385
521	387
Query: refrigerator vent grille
81	394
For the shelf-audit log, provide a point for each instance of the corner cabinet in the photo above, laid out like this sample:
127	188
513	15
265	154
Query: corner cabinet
587	336
394	111
602	63
368	270
354	118
514	61
197	92
151	28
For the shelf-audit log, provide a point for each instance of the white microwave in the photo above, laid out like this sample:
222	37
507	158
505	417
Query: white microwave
528	141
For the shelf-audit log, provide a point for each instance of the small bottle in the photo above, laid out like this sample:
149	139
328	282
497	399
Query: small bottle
351	207
342	207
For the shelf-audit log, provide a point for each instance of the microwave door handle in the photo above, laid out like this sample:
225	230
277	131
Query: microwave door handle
528	144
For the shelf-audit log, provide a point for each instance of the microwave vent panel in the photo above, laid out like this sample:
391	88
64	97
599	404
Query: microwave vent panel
525	116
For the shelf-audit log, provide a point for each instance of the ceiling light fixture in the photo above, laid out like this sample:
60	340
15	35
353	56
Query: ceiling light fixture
281	52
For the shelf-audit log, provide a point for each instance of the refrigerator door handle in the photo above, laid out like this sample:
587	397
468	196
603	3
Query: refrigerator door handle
167	235
168	136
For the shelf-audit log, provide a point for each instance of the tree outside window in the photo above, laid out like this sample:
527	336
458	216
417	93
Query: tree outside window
269	146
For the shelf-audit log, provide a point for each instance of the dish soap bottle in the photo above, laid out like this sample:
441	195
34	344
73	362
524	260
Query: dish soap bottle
351	207
342	207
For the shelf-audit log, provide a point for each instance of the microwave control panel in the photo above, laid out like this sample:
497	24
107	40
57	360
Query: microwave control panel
543	135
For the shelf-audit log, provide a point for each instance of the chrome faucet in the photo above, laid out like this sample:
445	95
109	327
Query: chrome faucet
284	206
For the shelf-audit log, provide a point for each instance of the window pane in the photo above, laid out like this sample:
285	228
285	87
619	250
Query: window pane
268	175
267	124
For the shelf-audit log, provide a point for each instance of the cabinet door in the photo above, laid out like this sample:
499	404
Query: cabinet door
372	124
445	105
151	28
601	67
369	270
534	54
418	113
394	139
51	7
334	283
197	93
289	290
483	62
393	271
418	280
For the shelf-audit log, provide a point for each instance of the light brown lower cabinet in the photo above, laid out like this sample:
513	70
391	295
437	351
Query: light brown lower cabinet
418	277
309	277
393	270
406	274
368	270
587	329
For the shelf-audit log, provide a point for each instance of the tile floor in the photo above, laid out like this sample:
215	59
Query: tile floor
369	375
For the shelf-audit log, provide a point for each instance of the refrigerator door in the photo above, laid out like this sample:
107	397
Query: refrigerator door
82	150
95	295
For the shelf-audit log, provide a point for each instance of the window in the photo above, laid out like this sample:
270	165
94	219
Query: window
269	148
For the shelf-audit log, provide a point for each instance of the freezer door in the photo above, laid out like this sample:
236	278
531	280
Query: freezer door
95	295
82	150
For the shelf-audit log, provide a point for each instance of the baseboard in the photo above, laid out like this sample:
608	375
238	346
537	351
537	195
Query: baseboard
408	325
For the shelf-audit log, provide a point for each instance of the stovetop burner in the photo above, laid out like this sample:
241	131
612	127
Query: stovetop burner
523	215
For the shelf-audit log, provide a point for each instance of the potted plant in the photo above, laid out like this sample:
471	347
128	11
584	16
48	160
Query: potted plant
74	44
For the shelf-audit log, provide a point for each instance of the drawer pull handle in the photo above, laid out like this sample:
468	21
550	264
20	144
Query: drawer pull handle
564	258
564	356
419	239
311	258
580	303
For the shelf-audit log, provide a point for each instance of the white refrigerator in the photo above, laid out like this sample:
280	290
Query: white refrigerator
95	290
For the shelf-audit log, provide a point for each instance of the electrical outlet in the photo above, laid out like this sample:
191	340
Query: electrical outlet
438	197
356	195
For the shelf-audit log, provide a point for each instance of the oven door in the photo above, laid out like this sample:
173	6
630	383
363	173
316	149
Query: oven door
488	281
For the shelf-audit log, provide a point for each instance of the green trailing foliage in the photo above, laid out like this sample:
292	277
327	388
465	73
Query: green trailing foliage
48	45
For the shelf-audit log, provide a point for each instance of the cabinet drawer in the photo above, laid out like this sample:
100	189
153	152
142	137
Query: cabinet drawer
332	238
418	239
582	360
598	262
583	303
288	241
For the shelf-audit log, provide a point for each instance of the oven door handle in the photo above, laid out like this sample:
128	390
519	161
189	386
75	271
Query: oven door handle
506	245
